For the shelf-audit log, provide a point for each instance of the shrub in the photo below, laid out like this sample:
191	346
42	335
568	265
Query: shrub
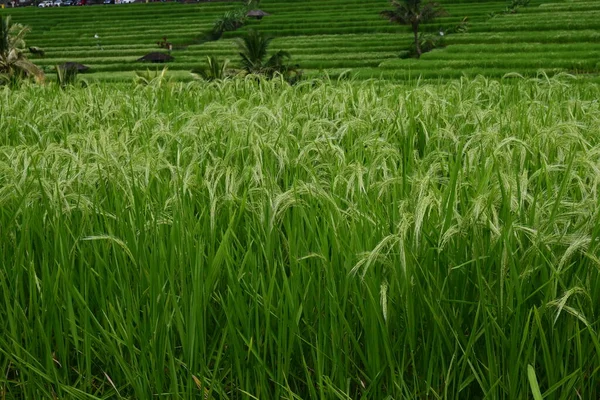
213	70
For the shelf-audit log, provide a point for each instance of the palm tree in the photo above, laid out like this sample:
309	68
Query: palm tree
214	69
253	50
13	62
413	13
230	21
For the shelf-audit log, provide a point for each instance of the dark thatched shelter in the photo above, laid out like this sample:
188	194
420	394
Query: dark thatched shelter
70	65
258	14
156	57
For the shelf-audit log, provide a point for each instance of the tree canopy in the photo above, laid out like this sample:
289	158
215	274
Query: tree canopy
13	62
413	13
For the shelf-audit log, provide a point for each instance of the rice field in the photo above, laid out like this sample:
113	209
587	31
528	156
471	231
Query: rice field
333	239
387	228
326	38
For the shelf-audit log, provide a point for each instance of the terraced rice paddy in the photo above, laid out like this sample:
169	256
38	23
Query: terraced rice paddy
330	36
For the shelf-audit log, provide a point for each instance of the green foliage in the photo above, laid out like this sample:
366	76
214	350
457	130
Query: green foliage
461	27
427	43
14	65
66	77
230	21
213	70
431	41
10	80
512	8
253	51
514	5
413	13
321	38
533	382
255	60
327	240
152	78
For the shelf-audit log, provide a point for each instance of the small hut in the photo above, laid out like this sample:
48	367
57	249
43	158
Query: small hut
156	57
258	14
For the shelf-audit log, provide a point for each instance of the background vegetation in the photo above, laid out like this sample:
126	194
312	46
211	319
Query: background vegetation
326	35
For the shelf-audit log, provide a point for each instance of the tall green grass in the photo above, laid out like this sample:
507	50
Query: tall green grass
340	240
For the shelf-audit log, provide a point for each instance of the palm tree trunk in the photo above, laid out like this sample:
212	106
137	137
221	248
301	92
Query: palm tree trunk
4	35
417	44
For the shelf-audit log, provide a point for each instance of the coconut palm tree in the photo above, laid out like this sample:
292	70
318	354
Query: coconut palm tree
13	62
253	51
413	13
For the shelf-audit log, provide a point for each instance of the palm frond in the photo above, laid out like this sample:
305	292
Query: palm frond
17	33
214	70
30	69
413	13
409	12
13	61
431	11
253	50
395	16
277	59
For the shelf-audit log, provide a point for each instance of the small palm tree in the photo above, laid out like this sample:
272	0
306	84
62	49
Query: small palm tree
13	62
253	51
214	69
65	76
413	13
230	21
152	78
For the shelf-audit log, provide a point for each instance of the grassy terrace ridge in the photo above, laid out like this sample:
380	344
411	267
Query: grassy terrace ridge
324	37
355	239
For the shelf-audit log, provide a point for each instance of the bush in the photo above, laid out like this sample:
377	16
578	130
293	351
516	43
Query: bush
229	21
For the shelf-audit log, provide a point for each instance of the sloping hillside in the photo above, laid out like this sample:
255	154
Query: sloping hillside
331	35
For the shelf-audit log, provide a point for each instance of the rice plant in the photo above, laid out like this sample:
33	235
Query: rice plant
248	239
